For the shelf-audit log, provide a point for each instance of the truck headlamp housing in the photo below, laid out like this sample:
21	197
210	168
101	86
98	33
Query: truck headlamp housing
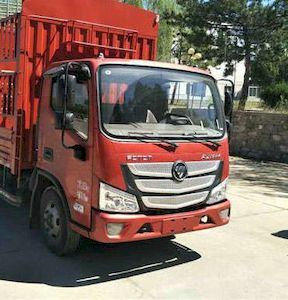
114	200
218	194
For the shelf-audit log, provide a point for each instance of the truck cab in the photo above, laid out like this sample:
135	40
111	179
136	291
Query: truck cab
137	149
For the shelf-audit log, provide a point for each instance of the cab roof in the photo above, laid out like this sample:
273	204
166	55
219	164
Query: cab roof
148	63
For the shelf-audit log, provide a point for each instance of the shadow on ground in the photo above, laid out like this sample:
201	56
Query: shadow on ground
281	234
24	258
267	175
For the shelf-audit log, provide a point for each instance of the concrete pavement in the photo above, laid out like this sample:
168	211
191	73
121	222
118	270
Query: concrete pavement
248	259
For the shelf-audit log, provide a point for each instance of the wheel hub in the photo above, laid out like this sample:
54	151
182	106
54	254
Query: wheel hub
52	220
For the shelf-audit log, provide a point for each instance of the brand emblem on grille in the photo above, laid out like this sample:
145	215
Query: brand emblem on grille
179	171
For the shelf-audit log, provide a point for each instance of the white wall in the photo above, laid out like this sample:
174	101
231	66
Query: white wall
237	77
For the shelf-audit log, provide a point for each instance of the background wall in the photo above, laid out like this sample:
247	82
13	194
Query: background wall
263	136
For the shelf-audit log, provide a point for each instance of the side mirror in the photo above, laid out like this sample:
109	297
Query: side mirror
80	70
71	91
229	129
69	119
228	104
85	73
55	72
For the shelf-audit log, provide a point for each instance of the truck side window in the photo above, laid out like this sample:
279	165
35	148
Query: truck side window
78	103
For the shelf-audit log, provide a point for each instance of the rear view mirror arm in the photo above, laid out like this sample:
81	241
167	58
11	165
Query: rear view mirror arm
65	99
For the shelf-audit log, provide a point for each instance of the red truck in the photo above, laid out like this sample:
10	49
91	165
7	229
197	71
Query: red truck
104	141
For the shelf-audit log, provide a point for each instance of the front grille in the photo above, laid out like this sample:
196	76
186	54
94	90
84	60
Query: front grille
164	170
174	202
169	186
155	187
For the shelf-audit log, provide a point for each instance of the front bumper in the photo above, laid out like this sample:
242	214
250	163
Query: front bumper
163	225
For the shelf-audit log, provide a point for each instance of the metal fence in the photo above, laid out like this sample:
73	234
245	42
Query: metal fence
9	7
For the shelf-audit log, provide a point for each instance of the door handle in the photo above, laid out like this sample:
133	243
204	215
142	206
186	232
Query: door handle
48	154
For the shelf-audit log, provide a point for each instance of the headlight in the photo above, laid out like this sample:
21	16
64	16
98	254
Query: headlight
114	200
218	193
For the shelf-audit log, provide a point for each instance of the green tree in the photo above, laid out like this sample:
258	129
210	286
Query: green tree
229	30
166	30
134	2
271	64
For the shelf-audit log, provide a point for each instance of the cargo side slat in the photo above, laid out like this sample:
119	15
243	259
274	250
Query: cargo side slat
31	40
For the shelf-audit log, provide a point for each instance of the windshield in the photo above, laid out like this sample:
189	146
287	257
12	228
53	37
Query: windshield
154	102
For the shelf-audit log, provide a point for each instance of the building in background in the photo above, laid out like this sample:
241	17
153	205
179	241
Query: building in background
238	78
9	7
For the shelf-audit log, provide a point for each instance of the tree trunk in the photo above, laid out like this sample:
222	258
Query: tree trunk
245	87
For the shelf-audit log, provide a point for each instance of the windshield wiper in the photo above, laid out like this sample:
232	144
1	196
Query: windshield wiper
143	136
205	141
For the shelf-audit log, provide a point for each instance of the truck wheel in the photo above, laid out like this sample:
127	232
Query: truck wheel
54	224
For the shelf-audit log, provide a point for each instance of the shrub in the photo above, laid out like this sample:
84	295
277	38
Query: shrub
276	96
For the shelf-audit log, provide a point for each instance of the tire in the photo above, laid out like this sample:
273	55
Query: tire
55	228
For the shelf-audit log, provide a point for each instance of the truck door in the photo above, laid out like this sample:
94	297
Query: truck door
71	170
